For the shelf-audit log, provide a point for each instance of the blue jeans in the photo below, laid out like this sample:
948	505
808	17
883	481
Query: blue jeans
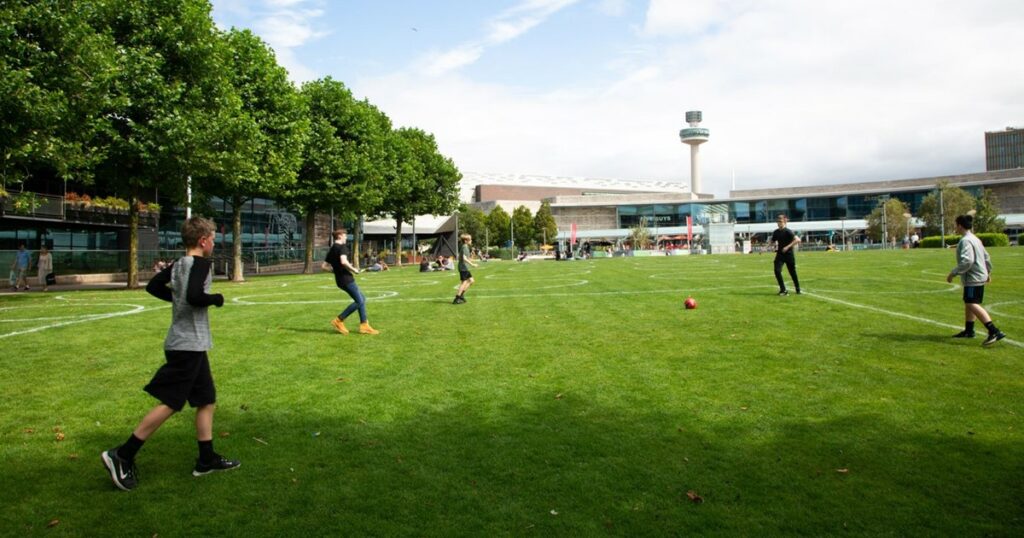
359	302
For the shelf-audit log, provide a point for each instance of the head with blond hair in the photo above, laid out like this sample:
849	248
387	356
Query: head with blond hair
466	238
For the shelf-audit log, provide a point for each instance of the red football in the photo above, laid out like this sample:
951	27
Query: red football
690	303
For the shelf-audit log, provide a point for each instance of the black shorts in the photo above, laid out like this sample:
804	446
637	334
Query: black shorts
974	294
465	275
184	377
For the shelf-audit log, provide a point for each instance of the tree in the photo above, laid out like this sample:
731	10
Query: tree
498	222
640	236
545	229
889	217
421	181
55	74
522	220
170	111
473	221
955	201
987	219
342	163
276	128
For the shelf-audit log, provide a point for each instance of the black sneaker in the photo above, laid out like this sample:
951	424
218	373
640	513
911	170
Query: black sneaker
798	292
122	471
459	300
783	293
219	463
964	334
993	338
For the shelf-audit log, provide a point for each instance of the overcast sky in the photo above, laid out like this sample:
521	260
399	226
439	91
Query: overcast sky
795	92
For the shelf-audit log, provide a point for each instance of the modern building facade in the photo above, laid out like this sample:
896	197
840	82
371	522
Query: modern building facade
1004	150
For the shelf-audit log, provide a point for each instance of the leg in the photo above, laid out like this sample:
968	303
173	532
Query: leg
204	422
358	302
152	421
791	266
465	285
778	273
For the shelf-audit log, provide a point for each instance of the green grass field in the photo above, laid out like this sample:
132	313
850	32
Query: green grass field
573	398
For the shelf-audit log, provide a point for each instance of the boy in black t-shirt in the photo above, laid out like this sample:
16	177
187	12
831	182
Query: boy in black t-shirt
344	277
785	240
185	377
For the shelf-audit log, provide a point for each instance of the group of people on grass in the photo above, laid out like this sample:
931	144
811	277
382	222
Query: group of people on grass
186	376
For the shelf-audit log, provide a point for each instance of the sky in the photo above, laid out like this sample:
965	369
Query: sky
794	92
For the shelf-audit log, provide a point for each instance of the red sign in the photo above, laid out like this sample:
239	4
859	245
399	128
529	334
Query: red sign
689	230
572	237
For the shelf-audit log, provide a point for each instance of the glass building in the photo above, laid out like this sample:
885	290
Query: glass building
1004	149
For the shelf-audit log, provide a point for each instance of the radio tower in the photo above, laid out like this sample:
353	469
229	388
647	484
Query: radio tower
694	136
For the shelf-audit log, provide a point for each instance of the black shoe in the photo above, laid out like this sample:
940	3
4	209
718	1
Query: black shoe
122	471
964	334
783	293
993	338
219	463
458	300
798	292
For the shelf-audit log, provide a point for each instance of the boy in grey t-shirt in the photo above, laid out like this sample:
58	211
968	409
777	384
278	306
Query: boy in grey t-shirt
185	377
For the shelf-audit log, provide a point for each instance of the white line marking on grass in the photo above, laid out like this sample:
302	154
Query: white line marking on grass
992	309
95	317
952	287
336	299
898	314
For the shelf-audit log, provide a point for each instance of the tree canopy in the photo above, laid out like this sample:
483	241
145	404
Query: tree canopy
888	220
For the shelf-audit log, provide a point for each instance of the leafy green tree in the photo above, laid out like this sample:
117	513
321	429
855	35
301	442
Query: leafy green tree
545	229
522	219
273	125
640	236
55	73
343	162
987	219
955	201
170	111
473	221
421	181
891	220
498	222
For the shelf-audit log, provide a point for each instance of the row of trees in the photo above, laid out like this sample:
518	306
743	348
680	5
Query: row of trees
939	209
498	227
135	96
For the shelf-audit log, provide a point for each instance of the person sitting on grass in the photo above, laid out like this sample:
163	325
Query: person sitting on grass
425	266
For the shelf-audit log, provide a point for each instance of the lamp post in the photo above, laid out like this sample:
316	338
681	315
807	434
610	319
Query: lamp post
908	217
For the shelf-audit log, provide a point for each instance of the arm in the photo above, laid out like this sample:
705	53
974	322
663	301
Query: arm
157	286
794	242
965	257
195	295
345	263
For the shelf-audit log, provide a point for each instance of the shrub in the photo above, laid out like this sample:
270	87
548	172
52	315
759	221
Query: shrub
987	239
934	241
994	239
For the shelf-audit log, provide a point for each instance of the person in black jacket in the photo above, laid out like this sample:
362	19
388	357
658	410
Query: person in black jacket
785	241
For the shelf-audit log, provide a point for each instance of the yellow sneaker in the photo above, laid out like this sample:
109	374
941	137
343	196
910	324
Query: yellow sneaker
339	325
364	328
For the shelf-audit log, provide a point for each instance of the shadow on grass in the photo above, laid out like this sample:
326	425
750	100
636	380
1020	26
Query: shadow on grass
540	466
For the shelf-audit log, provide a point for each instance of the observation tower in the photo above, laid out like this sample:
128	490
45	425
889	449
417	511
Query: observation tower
694	136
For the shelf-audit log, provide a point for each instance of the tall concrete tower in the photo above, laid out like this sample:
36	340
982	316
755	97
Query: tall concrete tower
694	136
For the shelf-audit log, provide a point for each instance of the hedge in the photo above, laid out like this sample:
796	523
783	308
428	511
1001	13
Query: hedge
987	239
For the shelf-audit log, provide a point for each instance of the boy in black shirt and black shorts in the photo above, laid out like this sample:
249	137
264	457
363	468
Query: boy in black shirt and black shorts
785	240
186	374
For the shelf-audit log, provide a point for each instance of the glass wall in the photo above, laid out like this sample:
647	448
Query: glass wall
854	206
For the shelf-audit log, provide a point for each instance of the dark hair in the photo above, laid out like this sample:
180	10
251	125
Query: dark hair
195	229
965	221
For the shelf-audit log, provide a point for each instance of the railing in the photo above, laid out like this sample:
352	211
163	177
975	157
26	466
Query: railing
31	204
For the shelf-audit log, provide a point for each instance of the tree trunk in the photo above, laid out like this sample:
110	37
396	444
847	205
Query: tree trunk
356	231
307	267
237	273
133	238
398	241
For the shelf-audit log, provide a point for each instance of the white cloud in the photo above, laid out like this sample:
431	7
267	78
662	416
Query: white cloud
505	27
794	92
287	25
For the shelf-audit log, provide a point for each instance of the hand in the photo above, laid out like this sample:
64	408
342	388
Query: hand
219	300
949	277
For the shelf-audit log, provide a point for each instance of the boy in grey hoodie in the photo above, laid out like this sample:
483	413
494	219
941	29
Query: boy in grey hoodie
975	269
